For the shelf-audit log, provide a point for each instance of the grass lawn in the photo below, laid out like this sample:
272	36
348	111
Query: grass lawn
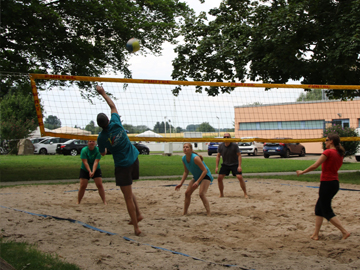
25	256
56	167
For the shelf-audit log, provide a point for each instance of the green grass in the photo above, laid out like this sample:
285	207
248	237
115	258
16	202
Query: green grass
26	256
56	167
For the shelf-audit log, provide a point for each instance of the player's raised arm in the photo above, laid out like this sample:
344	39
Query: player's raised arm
111	104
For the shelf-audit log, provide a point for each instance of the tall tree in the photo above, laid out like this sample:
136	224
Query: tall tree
205	127
52	122
315	94
18	115
312	41
81	37
92	128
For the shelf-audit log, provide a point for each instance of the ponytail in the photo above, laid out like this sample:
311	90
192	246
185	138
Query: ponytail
200	156
336	141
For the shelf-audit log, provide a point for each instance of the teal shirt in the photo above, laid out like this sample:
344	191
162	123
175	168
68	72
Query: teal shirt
116	140
90	156
194	169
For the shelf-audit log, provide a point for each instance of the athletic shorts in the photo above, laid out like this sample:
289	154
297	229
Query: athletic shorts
206	178
85	174
225	169
124	176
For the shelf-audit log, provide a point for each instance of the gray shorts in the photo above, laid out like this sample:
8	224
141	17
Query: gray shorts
124	176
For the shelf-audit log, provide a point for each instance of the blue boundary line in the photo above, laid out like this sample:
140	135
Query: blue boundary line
124	237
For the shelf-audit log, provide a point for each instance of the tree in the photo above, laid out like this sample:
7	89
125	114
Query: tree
191	127
52	122
92	128
312	41
82	37
18	114
205	127
178	130
315	94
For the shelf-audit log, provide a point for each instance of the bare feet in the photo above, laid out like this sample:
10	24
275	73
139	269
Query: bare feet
246	196
208	214
346	235
105	203
137	232
314	237
221	195
139	218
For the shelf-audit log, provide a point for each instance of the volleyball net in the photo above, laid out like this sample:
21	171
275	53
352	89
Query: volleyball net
150	111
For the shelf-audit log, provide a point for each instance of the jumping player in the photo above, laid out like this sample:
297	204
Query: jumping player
125	155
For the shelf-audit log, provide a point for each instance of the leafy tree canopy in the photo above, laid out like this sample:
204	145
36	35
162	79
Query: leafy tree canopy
52	122
205	127
315	94
18	115
92	128
81	37
312	41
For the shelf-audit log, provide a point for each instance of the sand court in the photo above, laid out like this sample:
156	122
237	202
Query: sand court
271	230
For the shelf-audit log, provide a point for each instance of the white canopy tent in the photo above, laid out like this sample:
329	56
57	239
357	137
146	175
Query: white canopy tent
71	130
36	133
149	133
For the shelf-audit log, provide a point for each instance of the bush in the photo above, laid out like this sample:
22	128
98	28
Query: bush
350	146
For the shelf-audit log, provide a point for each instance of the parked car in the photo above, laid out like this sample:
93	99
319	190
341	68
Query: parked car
71	147
37	140
143	149
212	148
283	149
48	146
251	148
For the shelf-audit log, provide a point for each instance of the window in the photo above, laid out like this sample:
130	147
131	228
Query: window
281	125
342	122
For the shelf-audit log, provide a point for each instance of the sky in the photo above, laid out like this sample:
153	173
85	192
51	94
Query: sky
144	67
146	105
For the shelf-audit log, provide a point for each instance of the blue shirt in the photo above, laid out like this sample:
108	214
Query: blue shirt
116	140
195	169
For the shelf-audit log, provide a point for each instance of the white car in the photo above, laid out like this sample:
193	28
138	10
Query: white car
48	146
251	148
357	154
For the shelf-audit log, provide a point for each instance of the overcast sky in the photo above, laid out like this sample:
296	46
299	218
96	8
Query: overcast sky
152	67
148	104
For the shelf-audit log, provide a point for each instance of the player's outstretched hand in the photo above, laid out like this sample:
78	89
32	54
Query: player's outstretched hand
100	89
299	172
178	187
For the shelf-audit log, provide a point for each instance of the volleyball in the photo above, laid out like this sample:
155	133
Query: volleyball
133	45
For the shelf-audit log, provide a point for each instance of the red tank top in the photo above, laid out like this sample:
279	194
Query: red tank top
329	169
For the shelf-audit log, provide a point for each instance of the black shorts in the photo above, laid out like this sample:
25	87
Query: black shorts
225	169
124	176
85	174
206	178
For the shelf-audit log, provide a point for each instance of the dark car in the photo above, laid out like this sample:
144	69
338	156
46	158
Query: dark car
212	148
283	149
143	149
71	147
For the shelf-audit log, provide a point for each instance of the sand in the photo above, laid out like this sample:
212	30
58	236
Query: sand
271	230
